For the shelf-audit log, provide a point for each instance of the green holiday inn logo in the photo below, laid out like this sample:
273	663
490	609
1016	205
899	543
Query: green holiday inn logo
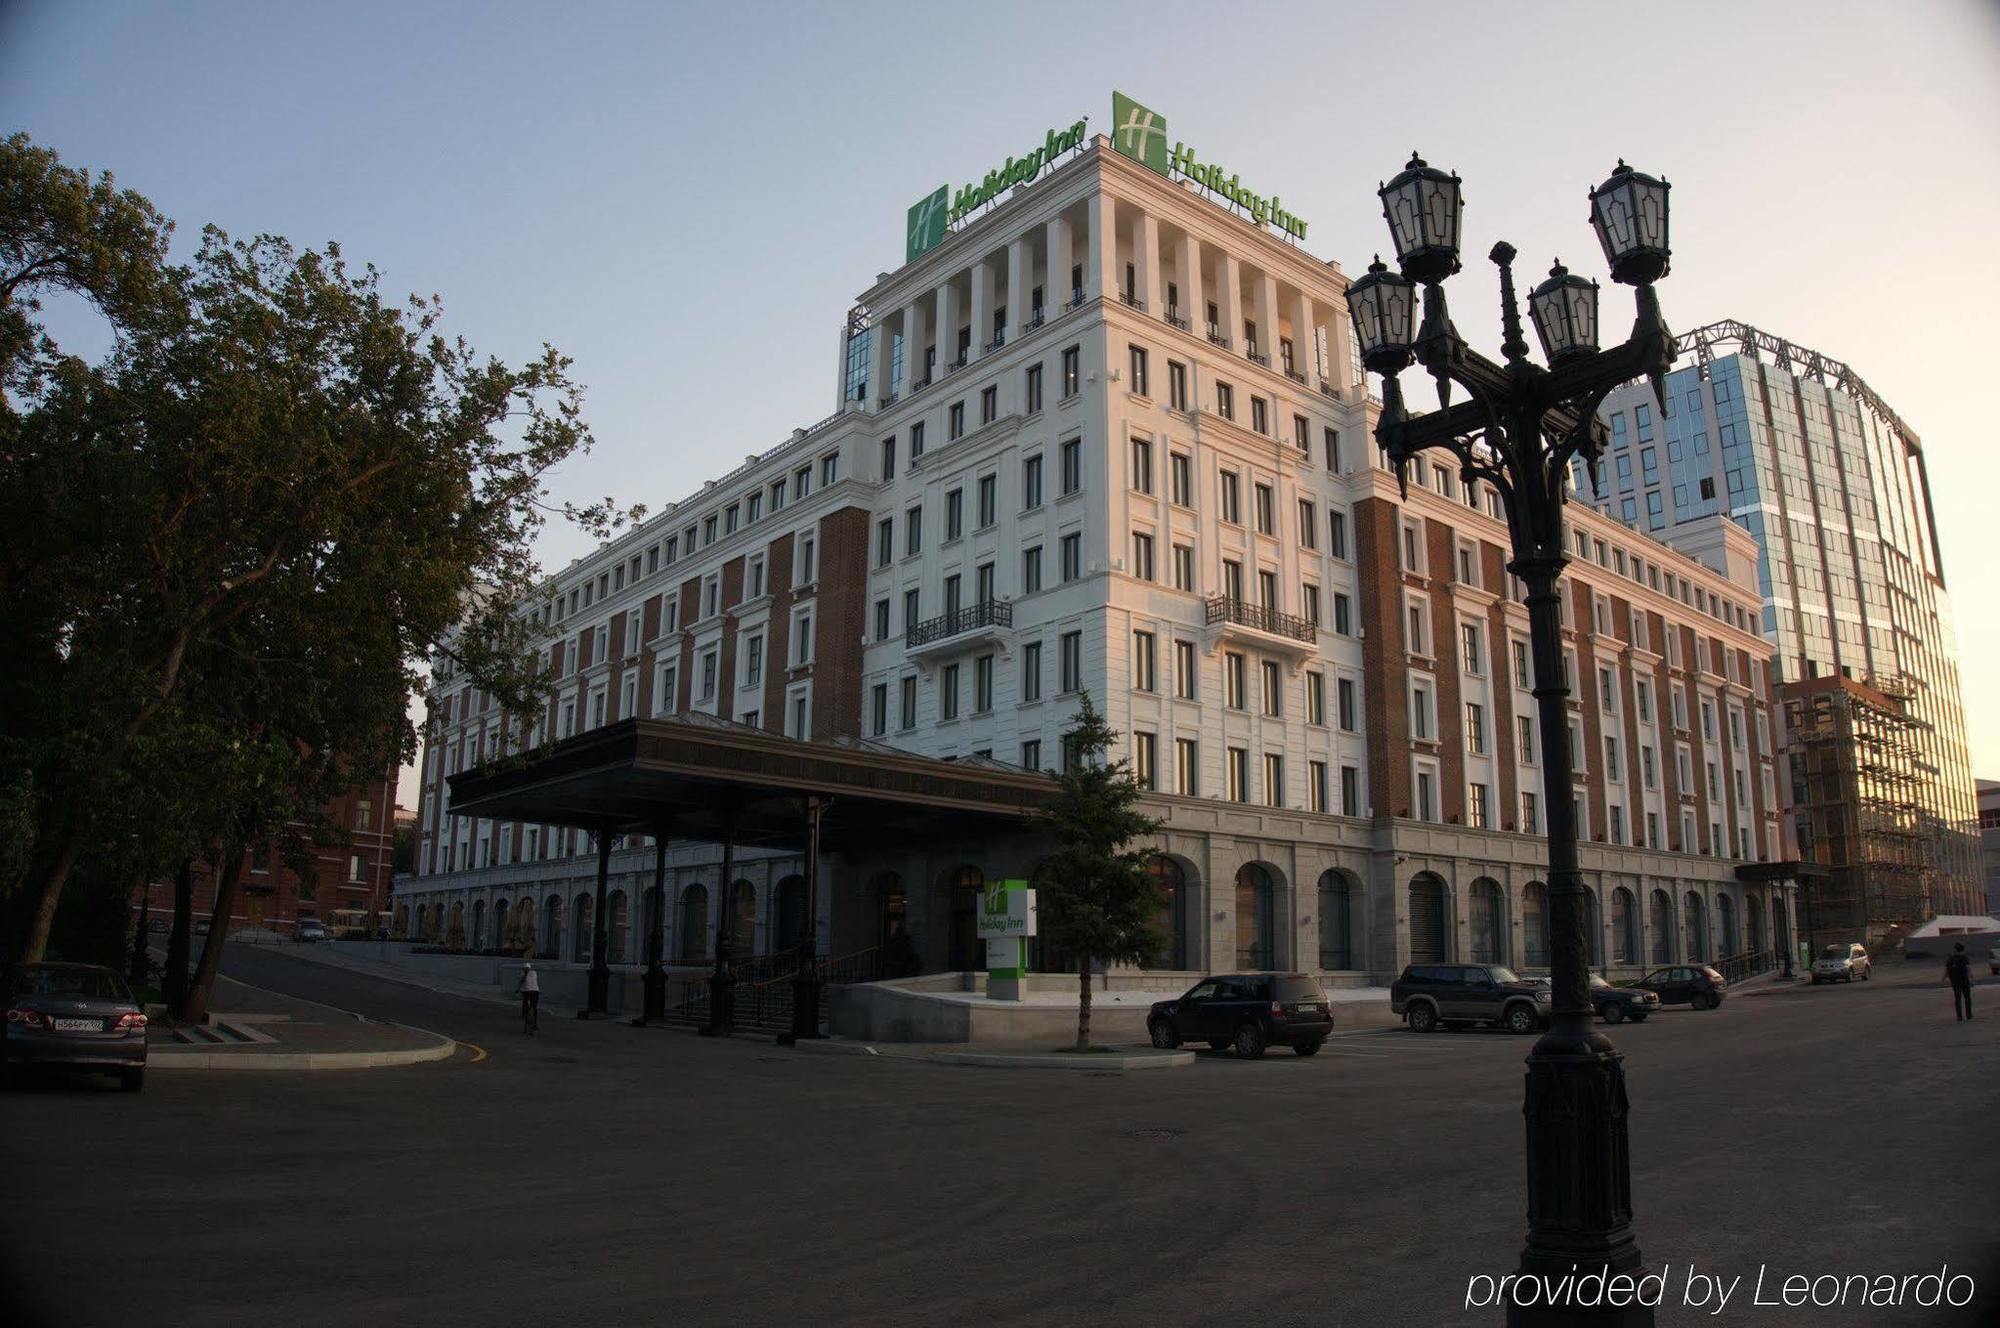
1139	133
927	220
996	899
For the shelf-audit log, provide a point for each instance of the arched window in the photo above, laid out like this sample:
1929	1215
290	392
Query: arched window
455	934
1753	922
694	923
743	922
1171	882
1428	940
1336	921
584	912
1697	934
616	911
964	951
524	920
1535	924
1254	895
1725	912
1663	928
788	927
503	924
402	921
1489	922
893	904
1624	927
552	916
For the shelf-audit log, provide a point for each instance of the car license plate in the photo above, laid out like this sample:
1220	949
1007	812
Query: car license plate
79	1025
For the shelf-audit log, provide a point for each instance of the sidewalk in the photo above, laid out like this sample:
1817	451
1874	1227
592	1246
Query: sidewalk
332	956
255	1029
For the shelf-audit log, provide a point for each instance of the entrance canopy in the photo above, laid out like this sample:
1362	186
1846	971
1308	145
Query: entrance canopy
699	777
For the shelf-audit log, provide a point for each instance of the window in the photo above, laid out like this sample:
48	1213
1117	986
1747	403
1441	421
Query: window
1344	704
1239	774
1617	831
1232	679
948	692
1646	766
1180	479
1612	769
1417	617
913	532
1315	698
1072	661
1142	661
1184	670
1145	761
753	661
1031	754
1522	676
910	608
1426	795
1472	648
1139	381
1031	483
1142	556
1031	569
1475	727
1350	790
1072	360
1332	444
1274	779
829	469
1607	691
1225	401
1183	567
1302	434
916	445
1273	689
1478	806
878	709
802	639
954	421
1260	415
1142	465
1187	768
989	500
1177	393
982	684
1309	602
1231	498
1343	614
885	541
1317	788
1072	556
1420	713
907	709
1524	739
709	660
1530	824
989	405
1267	517
1032	389
1336	532
881	620
1031	671
1413	548
954	514
1072	466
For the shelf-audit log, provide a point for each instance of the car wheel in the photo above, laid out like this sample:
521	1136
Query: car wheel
132	1080
1521	1019
1709	1001
1614	1014
1248	1042
1423	1019
1640	1018
1310	1048
1865	972
1163	1035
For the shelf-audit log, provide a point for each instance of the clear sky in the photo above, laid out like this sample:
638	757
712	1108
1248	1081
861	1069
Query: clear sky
686	198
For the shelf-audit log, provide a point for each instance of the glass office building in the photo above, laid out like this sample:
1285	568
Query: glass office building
1797	449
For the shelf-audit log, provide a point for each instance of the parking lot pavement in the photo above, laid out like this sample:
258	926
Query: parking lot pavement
599	1172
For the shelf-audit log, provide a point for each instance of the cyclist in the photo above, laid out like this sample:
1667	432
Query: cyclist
531	998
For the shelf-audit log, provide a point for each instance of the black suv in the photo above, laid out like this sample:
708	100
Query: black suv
1458	994
1246	1012
1695	985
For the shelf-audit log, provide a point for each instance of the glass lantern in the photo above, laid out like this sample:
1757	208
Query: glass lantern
1422	205
1629	211
1565	312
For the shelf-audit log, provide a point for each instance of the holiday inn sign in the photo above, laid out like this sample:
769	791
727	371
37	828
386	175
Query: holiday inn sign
930	218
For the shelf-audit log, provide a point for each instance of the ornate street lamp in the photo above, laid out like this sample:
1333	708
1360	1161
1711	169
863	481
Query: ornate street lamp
1521	430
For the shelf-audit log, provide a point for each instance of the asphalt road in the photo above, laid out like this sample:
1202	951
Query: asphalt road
604	1174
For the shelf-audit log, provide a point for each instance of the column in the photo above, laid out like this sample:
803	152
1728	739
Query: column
1194	304
880	363
1100	273
1055	286
1018	260
656	938
914	340
982	308
946	331
1146	257
1305	338
1338	355
722	982
806	984
1264	303
1231	302
600	971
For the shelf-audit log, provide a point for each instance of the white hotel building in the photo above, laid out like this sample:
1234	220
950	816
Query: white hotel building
1108	437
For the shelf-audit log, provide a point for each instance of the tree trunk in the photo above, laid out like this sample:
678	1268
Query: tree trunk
140	963
36	941
203	981
1083	1004
180	938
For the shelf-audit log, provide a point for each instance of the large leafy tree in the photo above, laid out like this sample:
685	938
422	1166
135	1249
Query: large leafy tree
1097	901
240	535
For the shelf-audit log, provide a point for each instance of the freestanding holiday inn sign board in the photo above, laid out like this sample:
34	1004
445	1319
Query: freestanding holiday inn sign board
1006	920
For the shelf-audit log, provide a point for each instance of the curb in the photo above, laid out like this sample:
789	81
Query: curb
1150	1060
300	1060
829	1047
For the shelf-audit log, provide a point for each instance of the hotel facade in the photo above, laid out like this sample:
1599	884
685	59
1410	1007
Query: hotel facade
1103	433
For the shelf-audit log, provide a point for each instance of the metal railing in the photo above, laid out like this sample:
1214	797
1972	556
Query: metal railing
765	987
1133	300
1218	337
1295	376
988	613
1035	320
1737	967
1255	356
1244	613
1176	320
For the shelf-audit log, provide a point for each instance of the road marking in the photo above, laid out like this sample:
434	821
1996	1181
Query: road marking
478	1052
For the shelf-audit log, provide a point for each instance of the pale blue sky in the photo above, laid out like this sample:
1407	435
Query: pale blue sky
687	198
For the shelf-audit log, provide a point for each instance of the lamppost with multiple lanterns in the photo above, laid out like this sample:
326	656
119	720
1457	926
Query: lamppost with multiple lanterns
1521	427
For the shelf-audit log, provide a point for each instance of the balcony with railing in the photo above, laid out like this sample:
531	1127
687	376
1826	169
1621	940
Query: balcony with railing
1266	627
1218	336
960	628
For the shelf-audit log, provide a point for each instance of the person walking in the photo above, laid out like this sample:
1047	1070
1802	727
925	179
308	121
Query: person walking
531	997
1958	972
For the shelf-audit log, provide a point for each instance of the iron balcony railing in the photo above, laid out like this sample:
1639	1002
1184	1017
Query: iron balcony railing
1218	336
1129	298
991	613
1326	389
1295	376
1244	613
1173	316
1256	356
1035	320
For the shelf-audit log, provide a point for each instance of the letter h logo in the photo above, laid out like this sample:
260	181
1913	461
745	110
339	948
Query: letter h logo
1139	133
927	221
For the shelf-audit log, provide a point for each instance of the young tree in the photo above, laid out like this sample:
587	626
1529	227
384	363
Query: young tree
1097	901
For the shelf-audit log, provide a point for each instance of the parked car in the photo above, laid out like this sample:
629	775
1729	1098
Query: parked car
73	1014
1455	995
1246	1012
1696	986
1616	1004
310	931
1841	963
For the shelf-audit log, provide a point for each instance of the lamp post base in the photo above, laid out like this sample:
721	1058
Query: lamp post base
805	1011
1581	1264
598	1001
656	991
721	1007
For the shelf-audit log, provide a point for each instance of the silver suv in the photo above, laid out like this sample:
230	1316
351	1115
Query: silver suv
1841	963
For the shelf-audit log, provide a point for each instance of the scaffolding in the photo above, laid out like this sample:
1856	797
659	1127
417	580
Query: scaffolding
1857	783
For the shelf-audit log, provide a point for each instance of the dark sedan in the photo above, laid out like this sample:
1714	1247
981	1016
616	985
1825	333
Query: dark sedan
77	1015
1616	1004
1696	986
1246	1012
